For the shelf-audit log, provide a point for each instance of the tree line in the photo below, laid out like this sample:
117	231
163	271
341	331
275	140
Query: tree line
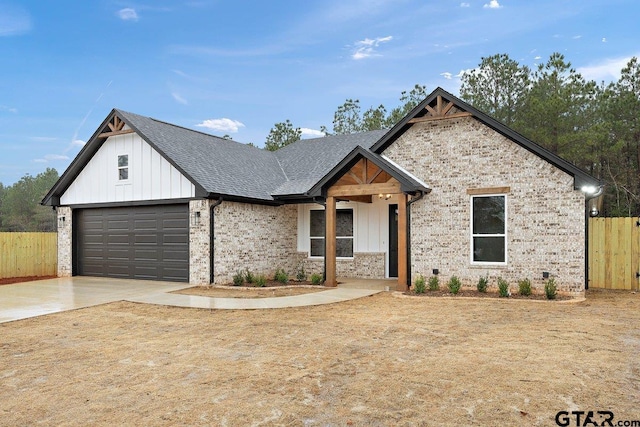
595	126
20	208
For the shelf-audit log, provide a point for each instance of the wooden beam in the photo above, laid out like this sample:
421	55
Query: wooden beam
355	177
447	108
439	104
402	243
360	199
370	180
330	242
431	110
491	190
431	118
115	133
364	189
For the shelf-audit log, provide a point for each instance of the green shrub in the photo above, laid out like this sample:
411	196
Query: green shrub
454	285
301	276
260	280
420	286
550	289
281	276
316	279
524	287
238	279
249	277
434	283
503	288
482	284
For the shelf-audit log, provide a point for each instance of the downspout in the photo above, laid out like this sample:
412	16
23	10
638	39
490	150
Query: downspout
212	240
409	203
587	215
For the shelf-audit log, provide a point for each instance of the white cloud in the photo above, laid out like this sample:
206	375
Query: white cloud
367	47
43	138
607	70
447	75
576	37
537	58
311	132
128	14
604	40
465	4
9	109
493	4
222	125
39	160
51	157
78	143
14	21
179	98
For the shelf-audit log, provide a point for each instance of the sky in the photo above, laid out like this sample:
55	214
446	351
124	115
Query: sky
238	67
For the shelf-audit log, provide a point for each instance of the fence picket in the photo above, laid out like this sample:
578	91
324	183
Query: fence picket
614	253
28	254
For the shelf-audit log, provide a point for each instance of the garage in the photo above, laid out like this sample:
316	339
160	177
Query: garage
134	242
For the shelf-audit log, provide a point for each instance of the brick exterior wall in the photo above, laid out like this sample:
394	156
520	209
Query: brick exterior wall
545	215
200	242
255	237
65	266
364	265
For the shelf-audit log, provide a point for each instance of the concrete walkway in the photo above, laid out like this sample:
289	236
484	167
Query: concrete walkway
37	298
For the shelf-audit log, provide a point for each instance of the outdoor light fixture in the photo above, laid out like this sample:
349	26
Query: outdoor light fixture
594	211
384	196
436	271
61	220
545	274
195	218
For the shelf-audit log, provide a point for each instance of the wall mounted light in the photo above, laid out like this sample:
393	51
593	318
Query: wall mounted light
195	218
545	274
61	220
594	211
384	196
435	271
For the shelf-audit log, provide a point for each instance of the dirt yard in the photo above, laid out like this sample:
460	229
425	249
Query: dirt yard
377	361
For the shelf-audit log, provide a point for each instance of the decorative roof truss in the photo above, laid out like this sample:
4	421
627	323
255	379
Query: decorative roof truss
364	179
116	127
440	109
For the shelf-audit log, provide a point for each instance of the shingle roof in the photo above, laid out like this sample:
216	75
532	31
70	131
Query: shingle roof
220	166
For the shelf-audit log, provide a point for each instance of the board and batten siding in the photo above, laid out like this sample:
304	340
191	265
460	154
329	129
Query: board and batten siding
151	177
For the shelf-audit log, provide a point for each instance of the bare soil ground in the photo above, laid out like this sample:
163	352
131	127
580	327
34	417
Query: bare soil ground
377	361
248	292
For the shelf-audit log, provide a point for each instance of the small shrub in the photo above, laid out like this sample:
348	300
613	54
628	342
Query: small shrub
434	283
420	286
281	276
238	279
482	284
524	287
454	285
301	276
316	279
249	277
260	280
503	288
550	289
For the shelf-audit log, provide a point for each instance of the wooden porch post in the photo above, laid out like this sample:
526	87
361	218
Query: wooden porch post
330	242
402	243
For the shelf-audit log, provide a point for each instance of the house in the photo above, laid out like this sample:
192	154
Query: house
448	190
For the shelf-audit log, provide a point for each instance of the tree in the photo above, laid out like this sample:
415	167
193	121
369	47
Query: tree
497	87
408	102
21	209
347	118
281	135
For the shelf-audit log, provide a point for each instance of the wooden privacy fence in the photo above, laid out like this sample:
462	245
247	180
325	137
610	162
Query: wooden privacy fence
614	253
28	254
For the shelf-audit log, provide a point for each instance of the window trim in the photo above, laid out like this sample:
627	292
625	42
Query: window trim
127	167
352	238
472	235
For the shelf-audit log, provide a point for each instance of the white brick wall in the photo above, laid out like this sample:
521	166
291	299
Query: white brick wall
65	266
546	220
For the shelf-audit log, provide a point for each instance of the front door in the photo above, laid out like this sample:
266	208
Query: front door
393	240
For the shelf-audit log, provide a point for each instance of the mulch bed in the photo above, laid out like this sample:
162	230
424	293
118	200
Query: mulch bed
276	284
464	293
10	280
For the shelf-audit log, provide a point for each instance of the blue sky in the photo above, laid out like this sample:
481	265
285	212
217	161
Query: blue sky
239	67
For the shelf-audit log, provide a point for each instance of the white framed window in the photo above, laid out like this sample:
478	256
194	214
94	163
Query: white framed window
123	167
489	229
344	233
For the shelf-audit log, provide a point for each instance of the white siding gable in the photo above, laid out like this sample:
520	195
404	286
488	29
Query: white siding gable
151	177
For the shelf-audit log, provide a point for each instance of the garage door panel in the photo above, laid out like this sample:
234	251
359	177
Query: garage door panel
143	242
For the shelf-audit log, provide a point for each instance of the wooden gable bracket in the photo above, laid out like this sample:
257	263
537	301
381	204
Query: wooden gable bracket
116	125
440	111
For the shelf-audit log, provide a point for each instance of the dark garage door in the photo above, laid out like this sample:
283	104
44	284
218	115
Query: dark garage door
141	242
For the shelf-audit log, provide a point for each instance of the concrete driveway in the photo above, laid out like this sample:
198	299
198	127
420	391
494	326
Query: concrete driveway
30	299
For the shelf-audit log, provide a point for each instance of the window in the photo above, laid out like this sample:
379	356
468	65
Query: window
488	229
123	167
344	233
